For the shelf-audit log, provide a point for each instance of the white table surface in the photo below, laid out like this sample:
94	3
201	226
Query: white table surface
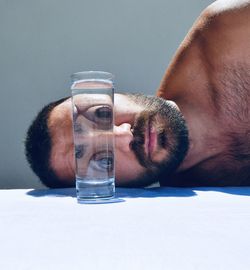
160	228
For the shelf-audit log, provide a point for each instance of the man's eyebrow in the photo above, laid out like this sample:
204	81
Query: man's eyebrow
80	150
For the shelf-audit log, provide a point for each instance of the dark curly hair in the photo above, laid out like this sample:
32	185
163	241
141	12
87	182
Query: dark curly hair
38	147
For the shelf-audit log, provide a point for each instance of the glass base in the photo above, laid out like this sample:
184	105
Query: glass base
97	200
94	190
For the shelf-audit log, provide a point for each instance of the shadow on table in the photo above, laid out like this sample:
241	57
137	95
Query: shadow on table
179	192
55	192
122	193
154	192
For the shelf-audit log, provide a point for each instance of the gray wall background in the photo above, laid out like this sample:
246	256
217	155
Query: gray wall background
43	42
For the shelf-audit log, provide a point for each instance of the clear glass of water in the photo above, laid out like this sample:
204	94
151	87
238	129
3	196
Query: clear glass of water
92	109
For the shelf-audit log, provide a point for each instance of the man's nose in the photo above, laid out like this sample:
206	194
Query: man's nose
123	137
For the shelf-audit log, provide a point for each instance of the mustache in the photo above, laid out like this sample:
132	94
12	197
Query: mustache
142	122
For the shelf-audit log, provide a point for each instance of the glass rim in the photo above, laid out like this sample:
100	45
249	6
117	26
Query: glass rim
100	75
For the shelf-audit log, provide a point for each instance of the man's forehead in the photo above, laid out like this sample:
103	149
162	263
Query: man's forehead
61	112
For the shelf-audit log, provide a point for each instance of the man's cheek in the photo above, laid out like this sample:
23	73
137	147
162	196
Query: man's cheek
127	169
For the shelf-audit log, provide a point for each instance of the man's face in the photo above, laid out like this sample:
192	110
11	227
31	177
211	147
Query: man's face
150	139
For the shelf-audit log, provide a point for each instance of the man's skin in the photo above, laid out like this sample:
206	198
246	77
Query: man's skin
209	81
126	165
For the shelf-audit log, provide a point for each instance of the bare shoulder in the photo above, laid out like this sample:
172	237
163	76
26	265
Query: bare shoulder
223	6
217	44
224	13
225	16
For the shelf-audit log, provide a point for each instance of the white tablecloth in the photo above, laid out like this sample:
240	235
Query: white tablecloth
160	228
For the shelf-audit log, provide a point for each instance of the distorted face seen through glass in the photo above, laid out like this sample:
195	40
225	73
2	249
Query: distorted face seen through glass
93	135
150	138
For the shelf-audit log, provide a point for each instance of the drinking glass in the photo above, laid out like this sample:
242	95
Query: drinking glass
92	109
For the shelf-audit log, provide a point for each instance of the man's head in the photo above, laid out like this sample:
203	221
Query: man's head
151	140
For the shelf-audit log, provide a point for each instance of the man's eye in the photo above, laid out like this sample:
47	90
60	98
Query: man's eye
101	115
102	162
103	112
105	163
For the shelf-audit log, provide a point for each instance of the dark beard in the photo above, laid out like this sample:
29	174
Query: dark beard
172	135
